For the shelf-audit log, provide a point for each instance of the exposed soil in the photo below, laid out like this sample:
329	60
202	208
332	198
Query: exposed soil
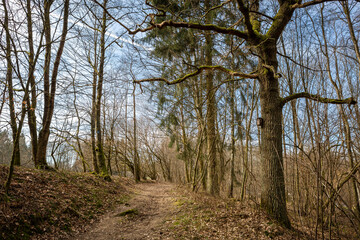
143	217
164	211
61	205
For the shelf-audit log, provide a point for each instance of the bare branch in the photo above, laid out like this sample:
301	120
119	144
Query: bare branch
111	16
318	98
197	72
314	2
261	14
299	64
216	7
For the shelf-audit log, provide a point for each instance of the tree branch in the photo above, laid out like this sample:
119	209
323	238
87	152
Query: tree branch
318	98
170	23
314	2
216	7
245	11
299	64
205	27
111	16
281	20
197	72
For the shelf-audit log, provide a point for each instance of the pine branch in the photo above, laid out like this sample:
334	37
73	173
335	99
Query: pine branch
318	98
197	72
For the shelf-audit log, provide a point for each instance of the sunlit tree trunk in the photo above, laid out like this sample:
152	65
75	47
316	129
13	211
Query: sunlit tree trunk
93	108
99	140
273	184
50	87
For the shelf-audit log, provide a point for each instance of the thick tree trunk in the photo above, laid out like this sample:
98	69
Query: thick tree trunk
273	185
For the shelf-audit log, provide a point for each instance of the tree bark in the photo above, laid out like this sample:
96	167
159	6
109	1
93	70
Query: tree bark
273	185
93	110
99	141
213	181
136	159
9	71
233	149
49	93
31	78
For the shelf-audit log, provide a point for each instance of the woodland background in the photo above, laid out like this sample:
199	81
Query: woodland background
69	101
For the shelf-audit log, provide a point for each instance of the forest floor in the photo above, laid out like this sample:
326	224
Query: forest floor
165	211
58	205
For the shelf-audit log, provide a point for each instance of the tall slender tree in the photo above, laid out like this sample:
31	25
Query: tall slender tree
50	80
99	138
9	82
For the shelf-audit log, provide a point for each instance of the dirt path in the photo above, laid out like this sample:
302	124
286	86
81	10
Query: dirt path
151	206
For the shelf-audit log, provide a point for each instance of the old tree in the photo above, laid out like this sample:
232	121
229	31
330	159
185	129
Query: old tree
261	38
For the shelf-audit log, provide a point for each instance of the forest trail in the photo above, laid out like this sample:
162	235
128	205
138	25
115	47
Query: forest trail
147	210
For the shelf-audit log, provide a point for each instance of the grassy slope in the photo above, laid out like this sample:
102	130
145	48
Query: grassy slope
45	204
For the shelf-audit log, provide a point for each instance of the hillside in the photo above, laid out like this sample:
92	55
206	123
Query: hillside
46	205
59	205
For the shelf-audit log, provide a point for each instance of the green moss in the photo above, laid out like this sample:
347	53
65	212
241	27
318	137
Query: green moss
181	202
105	176
123	199
133	211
